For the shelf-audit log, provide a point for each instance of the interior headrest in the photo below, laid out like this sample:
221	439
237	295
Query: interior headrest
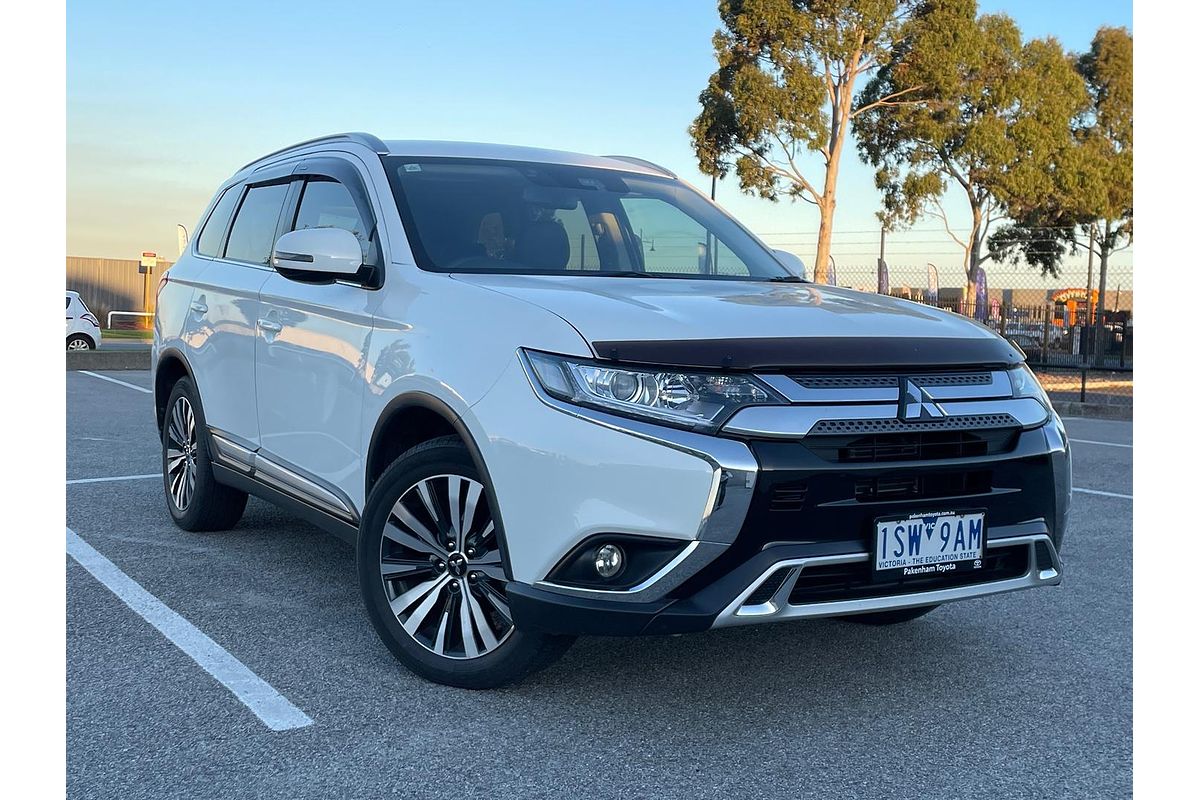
544	245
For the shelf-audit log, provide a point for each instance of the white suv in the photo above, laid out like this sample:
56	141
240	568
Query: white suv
547	394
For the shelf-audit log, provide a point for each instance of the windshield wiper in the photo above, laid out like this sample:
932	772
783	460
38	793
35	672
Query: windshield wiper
787	279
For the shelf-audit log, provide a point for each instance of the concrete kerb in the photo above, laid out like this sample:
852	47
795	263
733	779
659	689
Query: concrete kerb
101	360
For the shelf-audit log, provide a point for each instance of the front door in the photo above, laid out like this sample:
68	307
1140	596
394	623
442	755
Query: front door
311	351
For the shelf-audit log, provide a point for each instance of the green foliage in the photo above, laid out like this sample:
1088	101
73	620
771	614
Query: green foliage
784	87
994	123
1093	184
771	93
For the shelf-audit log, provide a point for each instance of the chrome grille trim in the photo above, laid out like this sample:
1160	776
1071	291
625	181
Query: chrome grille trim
885	387
798	421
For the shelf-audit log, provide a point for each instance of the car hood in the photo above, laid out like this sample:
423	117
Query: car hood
618	312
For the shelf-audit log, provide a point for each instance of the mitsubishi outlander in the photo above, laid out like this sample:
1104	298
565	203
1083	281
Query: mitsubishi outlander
547	395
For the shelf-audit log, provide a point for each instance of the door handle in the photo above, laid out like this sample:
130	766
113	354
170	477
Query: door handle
270	325
199	307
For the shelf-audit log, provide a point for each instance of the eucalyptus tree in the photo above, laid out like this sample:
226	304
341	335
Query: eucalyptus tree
1093	206
992	128
780	105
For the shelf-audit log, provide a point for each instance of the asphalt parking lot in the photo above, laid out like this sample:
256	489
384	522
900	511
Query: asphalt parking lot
1019	695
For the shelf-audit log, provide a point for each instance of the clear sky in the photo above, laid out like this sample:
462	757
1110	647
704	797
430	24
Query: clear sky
165	101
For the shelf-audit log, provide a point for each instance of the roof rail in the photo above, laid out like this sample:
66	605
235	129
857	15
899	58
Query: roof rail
373	142
641	162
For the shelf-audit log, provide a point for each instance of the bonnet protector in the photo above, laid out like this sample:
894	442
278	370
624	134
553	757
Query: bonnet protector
816	352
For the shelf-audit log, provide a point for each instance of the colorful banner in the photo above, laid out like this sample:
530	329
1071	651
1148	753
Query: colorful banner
981	295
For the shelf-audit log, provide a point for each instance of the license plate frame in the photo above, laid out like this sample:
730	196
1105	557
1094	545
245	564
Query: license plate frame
934	564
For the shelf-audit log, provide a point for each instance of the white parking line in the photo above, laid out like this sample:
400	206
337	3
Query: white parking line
1106	444
114	478
135	387
275	710
1102	494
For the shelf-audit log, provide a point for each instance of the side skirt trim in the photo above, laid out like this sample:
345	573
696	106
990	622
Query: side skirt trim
339	527
252	464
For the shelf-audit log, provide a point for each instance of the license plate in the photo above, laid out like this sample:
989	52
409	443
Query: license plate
941	543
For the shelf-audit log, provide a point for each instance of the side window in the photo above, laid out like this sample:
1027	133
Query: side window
328	204
674	242
209	243
253	232
68	301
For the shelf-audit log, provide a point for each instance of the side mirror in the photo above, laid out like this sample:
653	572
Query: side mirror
323	251
792	262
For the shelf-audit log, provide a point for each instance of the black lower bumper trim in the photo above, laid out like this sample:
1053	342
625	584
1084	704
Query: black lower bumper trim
555	612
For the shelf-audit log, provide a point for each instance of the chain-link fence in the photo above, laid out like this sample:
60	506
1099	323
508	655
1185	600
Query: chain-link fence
1079	342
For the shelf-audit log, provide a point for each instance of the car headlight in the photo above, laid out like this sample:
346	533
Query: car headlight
1025	384
701	401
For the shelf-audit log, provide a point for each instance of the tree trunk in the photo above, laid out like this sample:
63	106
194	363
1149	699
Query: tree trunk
827	205
824	240
973	283
972	259
840	118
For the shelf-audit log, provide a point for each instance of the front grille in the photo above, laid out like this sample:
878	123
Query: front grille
854	581
922	487
1044	560
890	381
923	446
768	587
847	381
834	427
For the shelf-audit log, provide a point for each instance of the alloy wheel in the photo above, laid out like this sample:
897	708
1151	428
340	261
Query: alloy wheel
181	453
442	569
78	344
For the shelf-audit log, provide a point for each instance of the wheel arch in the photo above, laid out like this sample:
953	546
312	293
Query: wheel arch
436	418
170	368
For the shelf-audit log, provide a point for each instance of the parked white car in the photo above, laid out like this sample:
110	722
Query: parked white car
547	394
83	329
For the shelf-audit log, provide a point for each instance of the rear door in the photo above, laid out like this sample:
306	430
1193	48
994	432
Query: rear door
313	338
220	330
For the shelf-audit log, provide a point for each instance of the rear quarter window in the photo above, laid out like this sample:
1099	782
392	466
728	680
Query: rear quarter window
213	233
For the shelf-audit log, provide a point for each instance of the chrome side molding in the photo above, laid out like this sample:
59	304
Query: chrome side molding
271	473
231	454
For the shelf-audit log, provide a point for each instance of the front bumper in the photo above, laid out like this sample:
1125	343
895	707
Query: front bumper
813	560
777	523
731	599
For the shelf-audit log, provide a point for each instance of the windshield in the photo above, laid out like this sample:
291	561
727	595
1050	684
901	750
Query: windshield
473	215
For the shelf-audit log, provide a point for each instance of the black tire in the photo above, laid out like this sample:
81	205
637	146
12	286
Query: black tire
80	341
470	579
890	617
208	505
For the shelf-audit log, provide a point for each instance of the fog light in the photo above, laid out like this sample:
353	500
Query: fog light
609	560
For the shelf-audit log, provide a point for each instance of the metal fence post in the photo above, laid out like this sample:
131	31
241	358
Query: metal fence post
1046	333
1004	319
1083	384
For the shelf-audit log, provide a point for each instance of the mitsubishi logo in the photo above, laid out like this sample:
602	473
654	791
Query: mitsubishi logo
916	405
